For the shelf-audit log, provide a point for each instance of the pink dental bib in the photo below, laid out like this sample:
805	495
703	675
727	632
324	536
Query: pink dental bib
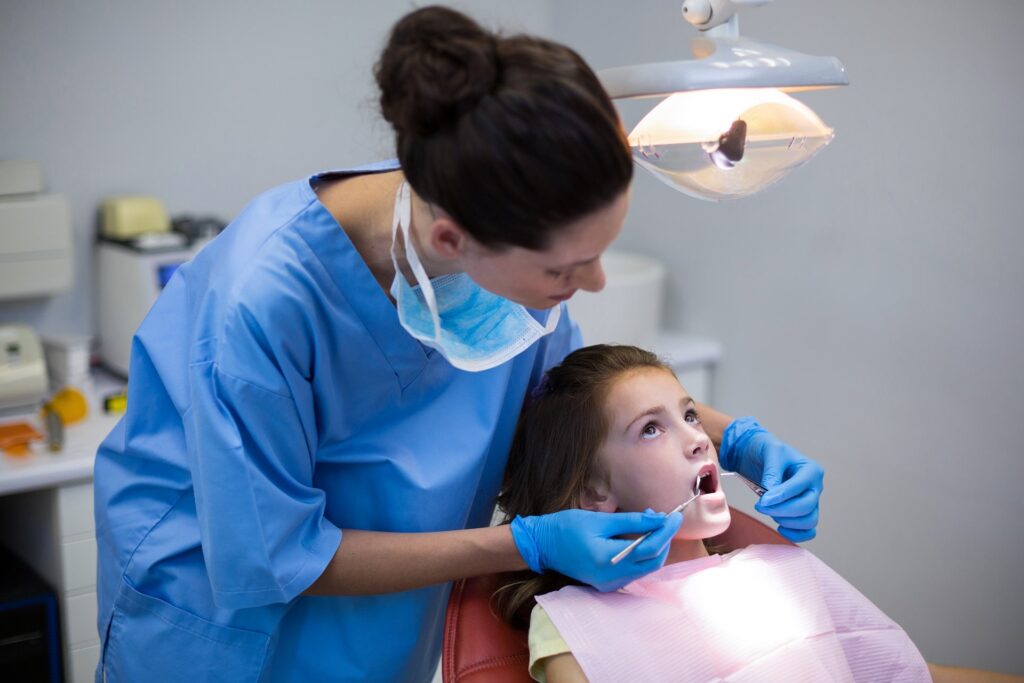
764	613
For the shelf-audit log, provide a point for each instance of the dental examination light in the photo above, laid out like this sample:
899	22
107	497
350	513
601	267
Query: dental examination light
727	127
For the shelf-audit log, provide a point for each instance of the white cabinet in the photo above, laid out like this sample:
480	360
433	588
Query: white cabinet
46	518
53	531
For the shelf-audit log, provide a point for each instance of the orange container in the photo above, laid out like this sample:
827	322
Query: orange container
16	436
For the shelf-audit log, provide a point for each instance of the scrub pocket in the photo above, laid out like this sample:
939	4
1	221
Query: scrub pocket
151	640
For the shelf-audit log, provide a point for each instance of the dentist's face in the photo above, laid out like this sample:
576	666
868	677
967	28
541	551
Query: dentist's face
572	262
656	451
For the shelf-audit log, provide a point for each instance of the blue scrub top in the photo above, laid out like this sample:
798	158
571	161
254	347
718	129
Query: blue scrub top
275	399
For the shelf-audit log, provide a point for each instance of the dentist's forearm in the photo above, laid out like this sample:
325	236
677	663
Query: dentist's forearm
714	422
373	562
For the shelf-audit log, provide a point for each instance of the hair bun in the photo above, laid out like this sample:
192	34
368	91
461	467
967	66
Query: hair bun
437	65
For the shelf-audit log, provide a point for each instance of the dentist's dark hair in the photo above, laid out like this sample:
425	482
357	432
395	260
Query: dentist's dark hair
513	137
553	457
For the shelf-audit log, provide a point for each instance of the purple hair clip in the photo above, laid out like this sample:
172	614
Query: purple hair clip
541	388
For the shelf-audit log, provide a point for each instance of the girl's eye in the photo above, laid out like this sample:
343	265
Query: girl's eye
650	431
692	417
556	274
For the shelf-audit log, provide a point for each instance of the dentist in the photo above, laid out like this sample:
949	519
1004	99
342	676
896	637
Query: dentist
321	403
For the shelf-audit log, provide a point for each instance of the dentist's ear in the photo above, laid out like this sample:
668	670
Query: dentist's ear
448	239
597	498
443	235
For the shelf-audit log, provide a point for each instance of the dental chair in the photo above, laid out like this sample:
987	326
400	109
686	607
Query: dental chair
481	648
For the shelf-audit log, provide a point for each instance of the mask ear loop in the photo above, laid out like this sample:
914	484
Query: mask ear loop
403	218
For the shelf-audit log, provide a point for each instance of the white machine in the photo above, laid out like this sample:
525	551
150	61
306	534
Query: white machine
35	260
130	276
35	234
23	379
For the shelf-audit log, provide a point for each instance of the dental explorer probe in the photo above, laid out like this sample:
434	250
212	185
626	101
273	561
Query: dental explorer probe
679	508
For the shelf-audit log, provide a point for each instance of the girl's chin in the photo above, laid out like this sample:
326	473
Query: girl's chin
705	526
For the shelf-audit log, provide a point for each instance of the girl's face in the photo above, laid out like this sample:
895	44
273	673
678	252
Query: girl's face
656	451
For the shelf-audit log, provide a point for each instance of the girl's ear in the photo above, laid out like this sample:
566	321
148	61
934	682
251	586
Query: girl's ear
597	498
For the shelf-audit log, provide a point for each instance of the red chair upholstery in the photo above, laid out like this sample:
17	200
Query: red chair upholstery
481	648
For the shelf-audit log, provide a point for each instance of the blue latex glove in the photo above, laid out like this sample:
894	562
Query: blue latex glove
581	544
793	480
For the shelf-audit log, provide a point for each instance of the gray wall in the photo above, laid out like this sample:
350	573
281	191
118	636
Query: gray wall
203	104
871	305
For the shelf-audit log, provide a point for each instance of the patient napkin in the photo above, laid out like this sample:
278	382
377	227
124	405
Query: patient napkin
764	613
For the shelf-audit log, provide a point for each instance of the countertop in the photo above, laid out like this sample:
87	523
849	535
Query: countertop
40	468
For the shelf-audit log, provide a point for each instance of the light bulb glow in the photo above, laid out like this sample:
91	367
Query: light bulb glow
689	140
703	115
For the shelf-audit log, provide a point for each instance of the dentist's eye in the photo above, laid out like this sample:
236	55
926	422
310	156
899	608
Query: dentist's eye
650	431
692	417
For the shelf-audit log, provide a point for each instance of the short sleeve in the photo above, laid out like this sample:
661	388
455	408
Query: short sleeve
264	535
544	640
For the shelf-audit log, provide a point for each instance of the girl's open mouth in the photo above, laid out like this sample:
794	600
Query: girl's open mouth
707	479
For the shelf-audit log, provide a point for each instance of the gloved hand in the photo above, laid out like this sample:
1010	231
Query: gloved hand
581	544
793	480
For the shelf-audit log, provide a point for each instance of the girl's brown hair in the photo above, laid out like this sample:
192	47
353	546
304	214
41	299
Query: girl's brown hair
554	452
514	137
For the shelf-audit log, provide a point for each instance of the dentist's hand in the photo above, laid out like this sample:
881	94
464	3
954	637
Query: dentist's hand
581	544
793	480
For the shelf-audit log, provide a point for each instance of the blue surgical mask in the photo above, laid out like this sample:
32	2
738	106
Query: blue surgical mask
472	328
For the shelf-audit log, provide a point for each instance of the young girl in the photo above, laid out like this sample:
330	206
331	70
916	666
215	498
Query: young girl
611	429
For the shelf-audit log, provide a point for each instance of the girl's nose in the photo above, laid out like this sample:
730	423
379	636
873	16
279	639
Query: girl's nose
698	444
590	278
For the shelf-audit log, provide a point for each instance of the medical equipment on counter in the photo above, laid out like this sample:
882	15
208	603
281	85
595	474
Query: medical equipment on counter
65	407
35	234
54	431
68	360
727	128
629	548
16	436
132	272
123	218
759	490
23	379
116	402
69	404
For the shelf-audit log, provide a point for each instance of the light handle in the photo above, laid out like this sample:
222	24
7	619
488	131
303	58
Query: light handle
707	14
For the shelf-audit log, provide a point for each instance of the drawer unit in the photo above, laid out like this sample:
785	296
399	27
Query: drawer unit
80	664
78	564
74	510
77	535
79	620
